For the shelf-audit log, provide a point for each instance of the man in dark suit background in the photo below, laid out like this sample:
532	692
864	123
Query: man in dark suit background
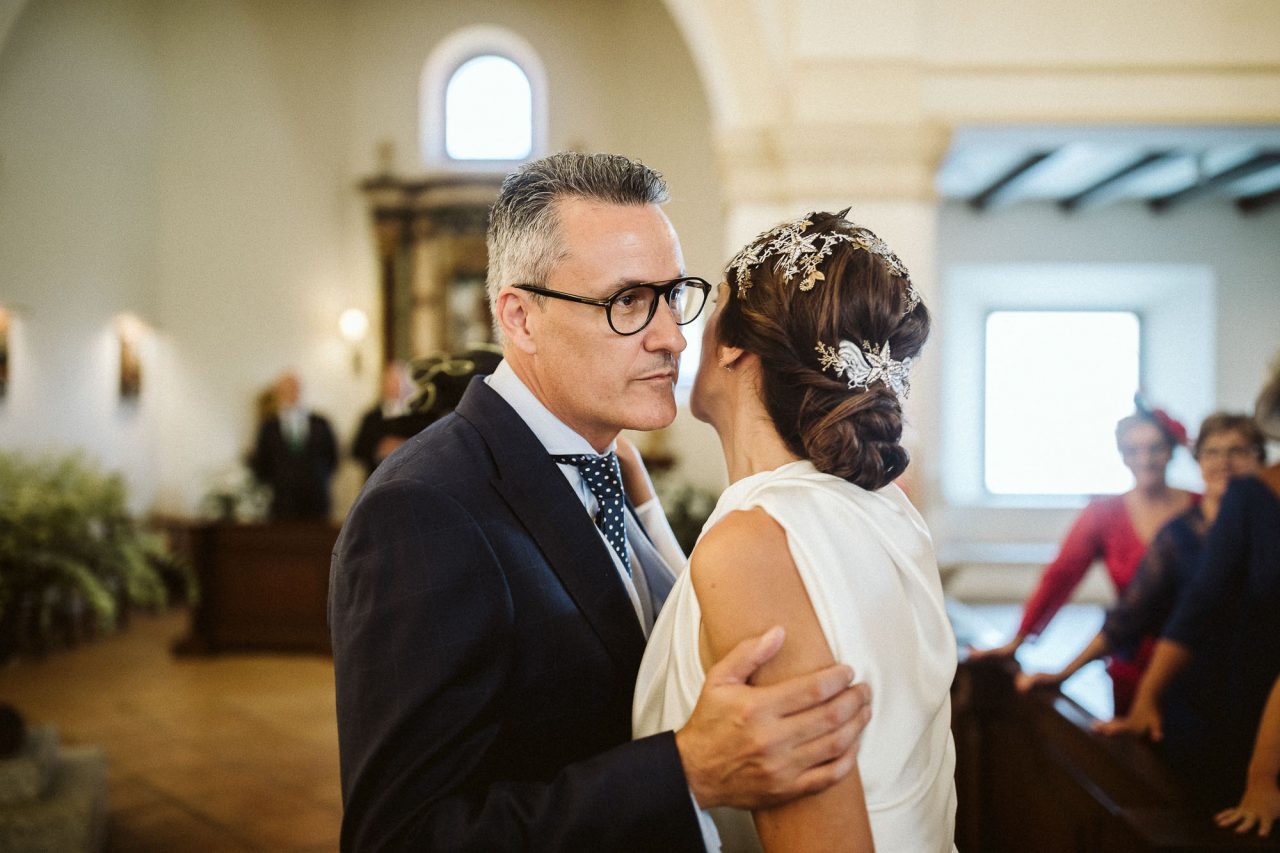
487	633
295	454
381	430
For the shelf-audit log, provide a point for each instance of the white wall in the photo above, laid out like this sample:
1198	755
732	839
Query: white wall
198	164
79	104
252	194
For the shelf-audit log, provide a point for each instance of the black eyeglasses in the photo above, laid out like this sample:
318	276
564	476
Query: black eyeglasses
632	308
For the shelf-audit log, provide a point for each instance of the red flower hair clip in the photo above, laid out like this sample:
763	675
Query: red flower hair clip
1169	425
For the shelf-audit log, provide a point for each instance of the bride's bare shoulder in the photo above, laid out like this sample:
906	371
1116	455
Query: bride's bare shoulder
744	539
746	582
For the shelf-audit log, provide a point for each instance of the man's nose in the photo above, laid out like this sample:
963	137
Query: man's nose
663	333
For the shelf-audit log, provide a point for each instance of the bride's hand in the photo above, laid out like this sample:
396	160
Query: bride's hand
635	477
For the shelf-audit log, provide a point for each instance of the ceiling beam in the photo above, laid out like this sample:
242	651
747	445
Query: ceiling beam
1265	160
1255	203
1005	188
1108	187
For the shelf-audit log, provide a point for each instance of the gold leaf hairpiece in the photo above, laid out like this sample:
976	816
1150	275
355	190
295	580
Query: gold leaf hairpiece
798	256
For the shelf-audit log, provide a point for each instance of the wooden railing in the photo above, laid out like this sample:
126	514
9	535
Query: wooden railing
1032	775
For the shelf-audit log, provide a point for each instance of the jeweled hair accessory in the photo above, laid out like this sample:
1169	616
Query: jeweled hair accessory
867	365
798	256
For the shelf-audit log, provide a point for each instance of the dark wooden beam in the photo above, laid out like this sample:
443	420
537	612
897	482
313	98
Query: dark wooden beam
1005	186
1099	191
1255	203
1265	160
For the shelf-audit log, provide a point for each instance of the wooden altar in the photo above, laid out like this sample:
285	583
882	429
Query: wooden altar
263	587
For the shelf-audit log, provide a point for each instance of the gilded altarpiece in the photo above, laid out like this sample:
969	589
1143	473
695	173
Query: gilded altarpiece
432	261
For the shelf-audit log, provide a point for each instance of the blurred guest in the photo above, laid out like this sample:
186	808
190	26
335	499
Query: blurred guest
1221	646
1116	529
1260	803
295	454
377	435
1227	446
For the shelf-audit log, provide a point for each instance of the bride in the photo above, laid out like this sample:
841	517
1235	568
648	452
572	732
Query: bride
805	362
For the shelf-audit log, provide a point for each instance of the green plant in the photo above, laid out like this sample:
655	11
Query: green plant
234	495
69	546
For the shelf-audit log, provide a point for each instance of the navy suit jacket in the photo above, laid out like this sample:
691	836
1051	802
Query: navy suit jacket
486	652
299	479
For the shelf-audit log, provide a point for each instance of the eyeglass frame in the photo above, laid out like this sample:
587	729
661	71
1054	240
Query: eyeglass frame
1238	451
661	289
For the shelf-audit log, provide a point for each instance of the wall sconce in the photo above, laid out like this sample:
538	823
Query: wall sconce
4	352
354	325
129	332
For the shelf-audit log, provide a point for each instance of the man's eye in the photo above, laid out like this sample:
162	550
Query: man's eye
626	300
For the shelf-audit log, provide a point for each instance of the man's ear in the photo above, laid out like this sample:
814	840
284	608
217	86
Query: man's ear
516	320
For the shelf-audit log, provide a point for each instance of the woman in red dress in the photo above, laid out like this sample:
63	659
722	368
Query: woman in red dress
1115	529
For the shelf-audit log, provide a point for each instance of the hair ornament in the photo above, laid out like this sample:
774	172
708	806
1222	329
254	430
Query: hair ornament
866	366
1172	428
798	256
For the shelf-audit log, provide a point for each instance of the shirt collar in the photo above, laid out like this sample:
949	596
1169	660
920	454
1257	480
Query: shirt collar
555	435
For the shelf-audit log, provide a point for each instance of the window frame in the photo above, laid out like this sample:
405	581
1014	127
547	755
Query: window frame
453	77
1175	304
1042	497
445	59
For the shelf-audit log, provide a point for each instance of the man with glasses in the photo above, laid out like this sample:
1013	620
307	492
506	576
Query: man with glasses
492	589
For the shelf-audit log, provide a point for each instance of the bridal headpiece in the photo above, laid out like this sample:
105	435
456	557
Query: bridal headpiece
797	256
867	365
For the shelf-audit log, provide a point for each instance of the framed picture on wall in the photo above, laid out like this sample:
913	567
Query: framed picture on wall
130	367
4	352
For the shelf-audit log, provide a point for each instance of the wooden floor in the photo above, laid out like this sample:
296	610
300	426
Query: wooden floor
231	753
239	752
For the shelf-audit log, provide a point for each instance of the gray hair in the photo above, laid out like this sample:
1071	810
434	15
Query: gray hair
524	226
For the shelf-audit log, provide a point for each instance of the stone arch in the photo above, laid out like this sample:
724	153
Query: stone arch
738	65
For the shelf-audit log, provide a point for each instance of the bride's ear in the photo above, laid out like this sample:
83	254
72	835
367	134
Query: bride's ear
729	357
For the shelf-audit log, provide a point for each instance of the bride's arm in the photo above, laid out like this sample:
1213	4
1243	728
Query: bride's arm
639	488
746	582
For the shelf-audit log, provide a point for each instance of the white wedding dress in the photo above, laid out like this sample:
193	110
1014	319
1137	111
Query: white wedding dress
867	562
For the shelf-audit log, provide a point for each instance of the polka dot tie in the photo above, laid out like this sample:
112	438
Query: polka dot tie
604	479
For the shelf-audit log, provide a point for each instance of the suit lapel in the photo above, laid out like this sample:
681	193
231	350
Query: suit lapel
532	485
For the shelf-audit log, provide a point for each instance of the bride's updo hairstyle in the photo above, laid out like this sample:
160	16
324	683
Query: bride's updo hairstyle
817	300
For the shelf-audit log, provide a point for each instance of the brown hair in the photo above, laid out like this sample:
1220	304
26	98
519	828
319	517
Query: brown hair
1220	422
1128	422
853	433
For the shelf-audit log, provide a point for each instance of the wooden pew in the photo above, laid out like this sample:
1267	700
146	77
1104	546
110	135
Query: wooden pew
1031	775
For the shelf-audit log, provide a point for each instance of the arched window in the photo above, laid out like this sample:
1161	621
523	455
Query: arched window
488	111
483	102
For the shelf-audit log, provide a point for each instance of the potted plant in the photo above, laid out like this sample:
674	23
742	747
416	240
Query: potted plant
72	559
